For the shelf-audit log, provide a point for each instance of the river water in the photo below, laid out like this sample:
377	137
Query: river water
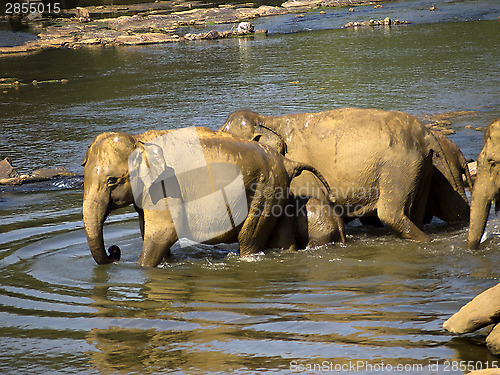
378	301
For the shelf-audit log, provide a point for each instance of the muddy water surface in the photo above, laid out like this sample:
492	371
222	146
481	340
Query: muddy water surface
377	300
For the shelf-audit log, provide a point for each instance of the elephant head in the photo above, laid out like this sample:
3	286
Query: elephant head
487	185
253	126
106	187
447	197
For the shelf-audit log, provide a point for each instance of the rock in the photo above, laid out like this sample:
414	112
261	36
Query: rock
9	176
82	15
493	340
119	25
245	28
487	371
49	173
33	16
212	34
7	170
301	3
386	21
483	310
447	131
441	124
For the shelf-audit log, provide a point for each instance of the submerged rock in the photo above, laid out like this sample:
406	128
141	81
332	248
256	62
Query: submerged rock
7	170
9	176
384	22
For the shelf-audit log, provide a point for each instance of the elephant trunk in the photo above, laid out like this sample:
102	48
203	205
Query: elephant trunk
95	212
482	196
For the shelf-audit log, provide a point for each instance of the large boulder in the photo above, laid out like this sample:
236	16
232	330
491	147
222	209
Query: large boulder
483	310
493	341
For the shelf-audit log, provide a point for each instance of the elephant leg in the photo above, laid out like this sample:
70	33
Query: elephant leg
419	206
282	236
159	236
140	212
446	203
260	221
401	223
394	204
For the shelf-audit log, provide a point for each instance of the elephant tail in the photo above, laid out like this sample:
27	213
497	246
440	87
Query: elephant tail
294	169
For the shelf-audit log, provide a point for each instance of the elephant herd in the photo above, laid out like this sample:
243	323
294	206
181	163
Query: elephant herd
285	182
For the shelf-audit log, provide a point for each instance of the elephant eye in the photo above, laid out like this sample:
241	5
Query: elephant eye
112	181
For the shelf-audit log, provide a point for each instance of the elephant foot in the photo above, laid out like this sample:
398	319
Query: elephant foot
417	236
114	253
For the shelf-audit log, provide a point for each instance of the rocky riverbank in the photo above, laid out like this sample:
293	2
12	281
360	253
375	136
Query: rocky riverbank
159	22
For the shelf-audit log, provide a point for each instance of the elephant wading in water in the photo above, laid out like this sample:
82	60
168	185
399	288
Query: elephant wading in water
376	162
313	221
487	185
193	183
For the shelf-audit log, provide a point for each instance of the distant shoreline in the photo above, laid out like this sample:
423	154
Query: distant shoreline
154	23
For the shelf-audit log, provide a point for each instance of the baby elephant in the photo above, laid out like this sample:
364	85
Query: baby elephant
314	222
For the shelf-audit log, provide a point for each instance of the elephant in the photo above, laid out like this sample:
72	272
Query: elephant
250	181
378	163
447	198
314	223
487	185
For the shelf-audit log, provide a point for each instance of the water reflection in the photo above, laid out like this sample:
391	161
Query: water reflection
334	304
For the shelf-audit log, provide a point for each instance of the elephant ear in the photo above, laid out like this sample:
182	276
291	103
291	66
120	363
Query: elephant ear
272	139
86	158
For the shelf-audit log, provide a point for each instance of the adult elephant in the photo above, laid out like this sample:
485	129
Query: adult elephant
193	183
376	162
487	185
